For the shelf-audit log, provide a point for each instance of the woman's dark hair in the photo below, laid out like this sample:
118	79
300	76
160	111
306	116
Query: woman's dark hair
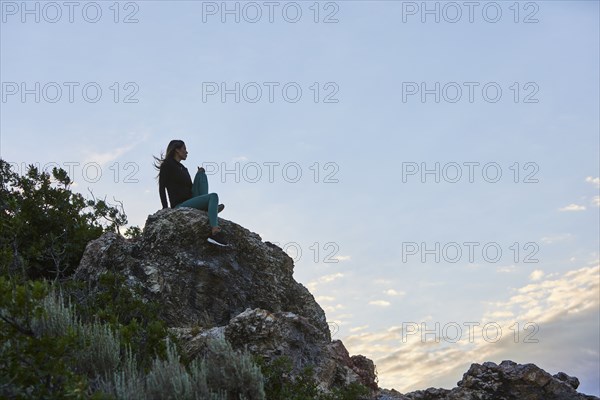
173	145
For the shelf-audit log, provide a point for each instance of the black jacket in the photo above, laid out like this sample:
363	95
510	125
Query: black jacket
176	179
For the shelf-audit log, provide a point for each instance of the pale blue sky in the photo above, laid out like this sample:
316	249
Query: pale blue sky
367	136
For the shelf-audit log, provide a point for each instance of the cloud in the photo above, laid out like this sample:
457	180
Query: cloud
340	319
108	156
558	311
596	201
549	299
240	158
572	207
392	292
594	181
380	303
495	315
507	269
359	328
556	238
324	298
331	309
342	258
536	275
103	158
330	277
312	285
342	316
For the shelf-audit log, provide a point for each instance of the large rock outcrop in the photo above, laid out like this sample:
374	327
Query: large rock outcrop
246	293
507	381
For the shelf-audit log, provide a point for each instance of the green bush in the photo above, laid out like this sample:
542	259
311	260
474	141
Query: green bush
48	351
223	374
281	384
42	344
44	229
136	321
233	372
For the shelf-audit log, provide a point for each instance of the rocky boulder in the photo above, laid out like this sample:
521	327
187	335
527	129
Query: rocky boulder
245	293
507	381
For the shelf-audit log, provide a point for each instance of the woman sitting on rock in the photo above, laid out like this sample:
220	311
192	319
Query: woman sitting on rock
182	193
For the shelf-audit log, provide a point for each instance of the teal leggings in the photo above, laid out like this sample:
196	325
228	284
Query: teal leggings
201	199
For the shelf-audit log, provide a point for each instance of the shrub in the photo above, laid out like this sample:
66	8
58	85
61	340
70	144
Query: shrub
98	349
281	384
137	322
42	344
223	374
233	372
44	229
47	351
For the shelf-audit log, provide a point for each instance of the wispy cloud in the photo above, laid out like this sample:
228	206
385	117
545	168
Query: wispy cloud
344	316
392	292
330	277
342	258
572	207
312	285
359	328
548	299
107	156
499	314
507	269
380	303
324	298
340	319
334	308
556	238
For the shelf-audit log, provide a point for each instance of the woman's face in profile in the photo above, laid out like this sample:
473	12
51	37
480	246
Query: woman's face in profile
181	152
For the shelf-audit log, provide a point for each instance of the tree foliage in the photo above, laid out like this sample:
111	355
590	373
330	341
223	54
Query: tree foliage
45	226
